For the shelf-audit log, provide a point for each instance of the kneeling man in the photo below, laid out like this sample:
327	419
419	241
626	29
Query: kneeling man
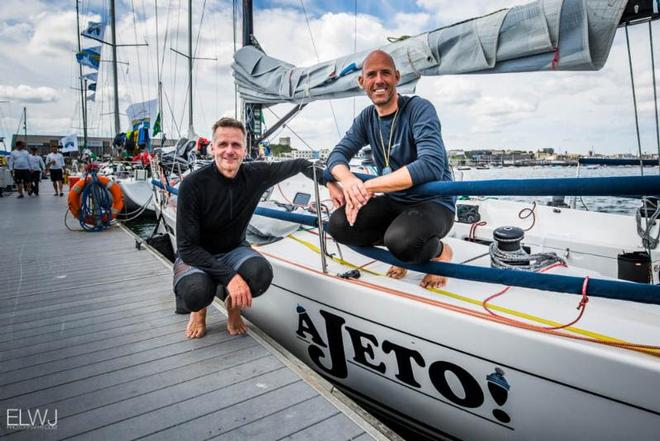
214	207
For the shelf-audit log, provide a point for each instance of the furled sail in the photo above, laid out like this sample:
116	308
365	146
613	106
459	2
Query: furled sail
543	35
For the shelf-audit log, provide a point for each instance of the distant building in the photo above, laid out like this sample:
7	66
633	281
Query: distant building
304	154
285	140
98	145
43	143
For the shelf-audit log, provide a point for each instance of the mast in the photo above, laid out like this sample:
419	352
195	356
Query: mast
83	87
191	131
113	44
25	124
252	112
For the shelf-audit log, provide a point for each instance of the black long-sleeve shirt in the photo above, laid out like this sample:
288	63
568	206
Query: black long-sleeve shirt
213	211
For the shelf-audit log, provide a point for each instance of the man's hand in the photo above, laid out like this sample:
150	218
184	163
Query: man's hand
355	192
351	214
240	292
356	195
336	194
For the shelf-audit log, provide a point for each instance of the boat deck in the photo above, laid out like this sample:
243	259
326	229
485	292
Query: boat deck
91	343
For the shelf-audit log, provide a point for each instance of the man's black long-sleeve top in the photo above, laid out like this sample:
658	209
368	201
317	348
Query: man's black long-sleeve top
213	211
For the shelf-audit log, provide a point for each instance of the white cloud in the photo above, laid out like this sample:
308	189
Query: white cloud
450	90
568	110
28	94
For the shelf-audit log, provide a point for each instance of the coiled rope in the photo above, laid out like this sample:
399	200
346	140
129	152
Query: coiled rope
649	242
96	206
520	259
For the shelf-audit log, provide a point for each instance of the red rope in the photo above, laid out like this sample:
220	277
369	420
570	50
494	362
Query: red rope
581	306
527	212
473	229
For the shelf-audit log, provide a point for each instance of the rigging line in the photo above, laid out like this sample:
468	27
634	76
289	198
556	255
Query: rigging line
288	127
167	100
634	95
234	19
655	94
199	30
167	30
183	113
20	120
214	26
157	53
149	53
354	41
137	51
639	142
199	33
174	77
318	60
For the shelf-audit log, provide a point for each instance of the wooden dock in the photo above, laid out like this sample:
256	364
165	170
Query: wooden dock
91	349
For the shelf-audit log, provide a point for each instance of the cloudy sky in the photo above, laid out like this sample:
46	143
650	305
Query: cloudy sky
568	111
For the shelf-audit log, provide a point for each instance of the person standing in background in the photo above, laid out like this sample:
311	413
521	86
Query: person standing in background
55	163
37	166
19	164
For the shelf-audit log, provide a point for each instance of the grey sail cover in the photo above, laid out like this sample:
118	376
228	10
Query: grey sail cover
543	35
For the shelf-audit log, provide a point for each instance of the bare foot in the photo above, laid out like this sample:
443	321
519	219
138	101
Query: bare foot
197	324
235	323
435	281
396	272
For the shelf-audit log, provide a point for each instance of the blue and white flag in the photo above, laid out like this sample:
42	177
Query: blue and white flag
95	30
92	76
143	115
91	86
90	57
91	97
69	143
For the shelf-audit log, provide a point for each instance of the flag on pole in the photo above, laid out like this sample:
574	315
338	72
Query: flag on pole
90	57
95	30
157	126
143	115
91	86
92	76
91	97
69	143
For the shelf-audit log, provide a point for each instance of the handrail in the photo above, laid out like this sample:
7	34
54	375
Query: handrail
611	289
629	186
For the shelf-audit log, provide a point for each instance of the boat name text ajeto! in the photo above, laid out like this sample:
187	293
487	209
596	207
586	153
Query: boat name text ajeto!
364	344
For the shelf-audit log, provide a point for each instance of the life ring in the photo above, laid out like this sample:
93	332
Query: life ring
75	195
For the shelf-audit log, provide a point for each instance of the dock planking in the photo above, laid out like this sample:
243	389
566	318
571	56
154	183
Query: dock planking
89	332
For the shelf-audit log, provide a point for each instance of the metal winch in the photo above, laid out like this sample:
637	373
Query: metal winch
507	251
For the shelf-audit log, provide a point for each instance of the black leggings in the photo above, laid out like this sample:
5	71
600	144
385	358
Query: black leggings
196	291
36	179
412	233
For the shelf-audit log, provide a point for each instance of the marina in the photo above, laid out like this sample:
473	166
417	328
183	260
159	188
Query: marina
91	341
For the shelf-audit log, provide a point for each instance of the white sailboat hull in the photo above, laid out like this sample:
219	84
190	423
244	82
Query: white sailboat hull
137	195
430	359
560	389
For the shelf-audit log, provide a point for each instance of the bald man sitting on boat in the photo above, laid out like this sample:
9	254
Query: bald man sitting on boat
214	207
404	135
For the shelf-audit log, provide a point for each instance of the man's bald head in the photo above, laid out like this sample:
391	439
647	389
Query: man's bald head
379	55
